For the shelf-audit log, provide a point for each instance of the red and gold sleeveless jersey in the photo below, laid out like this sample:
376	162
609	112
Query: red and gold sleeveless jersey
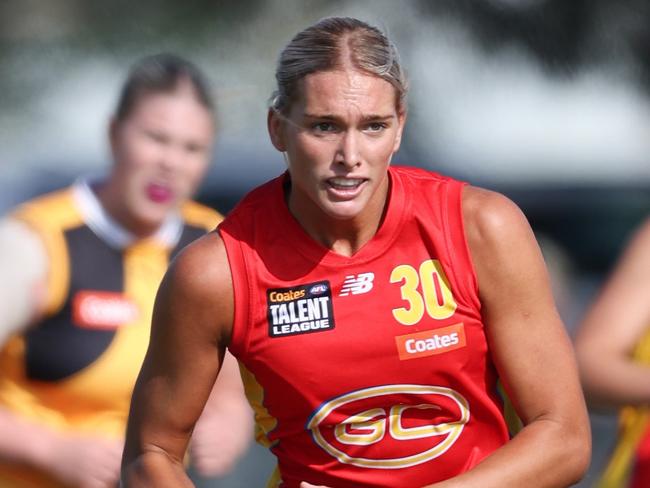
371	370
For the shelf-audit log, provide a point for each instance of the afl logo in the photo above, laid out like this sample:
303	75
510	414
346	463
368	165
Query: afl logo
391	426
318	289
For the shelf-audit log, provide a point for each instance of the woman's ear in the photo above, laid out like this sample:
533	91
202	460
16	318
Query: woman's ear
276	127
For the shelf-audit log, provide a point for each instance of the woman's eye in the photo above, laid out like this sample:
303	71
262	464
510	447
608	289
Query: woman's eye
157	137
324	127
376	126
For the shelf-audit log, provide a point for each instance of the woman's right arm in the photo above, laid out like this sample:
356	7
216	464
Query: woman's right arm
613	326
192	323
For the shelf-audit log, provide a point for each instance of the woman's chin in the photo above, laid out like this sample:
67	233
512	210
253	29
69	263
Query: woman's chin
343	210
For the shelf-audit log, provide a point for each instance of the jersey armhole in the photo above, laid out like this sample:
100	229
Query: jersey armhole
241	293
457	242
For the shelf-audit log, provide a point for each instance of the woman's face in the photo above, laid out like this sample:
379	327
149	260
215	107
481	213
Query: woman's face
161	150
339	137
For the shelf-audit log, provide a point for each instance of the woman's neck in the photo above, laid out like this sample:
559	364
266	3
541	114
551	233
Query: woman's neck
342	236
112	200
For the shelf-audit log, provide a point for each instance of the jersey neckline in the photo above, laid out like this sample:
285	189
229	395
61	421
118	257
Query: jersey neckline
300	241
109	230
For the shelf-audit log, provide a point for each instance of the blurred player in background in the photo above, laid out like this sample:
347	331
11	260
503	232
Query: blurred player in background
613	346
80	269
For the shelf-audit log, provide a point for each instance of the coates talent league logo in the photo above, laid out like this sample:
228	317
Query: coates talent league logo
300	309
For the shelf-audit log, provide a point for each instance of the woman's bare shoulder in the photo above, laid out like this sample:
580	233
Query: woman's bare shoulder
199	284
491	217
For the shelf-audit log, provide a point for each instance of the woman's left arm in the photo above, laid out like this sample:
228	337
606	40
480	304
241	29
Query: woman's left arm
531	351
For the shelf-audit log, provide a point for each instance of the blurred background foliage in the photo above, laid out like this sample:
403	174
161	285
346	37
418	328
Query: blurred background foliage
546	100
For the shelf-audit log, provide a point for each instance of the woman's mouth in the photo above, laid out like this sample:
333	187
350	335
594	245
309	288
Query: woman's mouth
158	193
345	187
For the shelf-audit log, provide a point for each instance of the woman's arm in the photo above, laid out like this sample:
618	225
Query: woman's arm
24	265
225	430
192	322
614	324
530	349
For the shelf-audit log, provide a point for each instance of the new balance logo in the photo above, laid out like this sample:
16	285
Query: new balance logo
357	284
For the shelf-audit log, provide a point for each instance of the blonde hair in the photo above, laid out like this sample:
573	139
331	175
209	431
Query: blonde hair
336	42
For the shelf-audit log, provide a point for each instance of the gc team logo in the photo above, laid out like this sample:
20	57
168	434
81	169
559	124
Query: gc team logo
393	427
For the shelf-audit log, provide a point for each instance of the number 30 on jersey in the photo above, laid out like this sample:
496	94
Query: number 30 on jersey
425	290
